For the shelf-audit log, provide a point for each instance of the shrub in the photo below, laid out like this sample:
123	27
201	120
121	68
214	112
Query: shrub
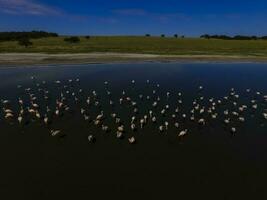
72	39
24	42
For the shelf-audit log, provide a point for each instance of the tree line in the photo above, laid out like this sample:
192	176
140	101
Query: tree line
17	36
237	37
23	38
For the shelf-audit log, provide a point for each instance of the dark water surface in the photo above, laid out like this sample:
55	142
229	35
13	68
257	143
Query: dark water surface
209	162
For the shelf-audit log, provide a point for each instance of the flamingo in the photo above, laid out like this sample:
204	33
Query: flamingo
150	113
113	115
145	118
202	121
241	119
166	125
235	113
55	132
100	117
82	111
38	115
214	116
233	130
160	128
142	121
105	128
46	119
131	140
121	128
91	138
227	121
168	94
133	127
182	133
119	134
117	120
57	112
86	117
9	115
8	111
255	106
5	101
133	119
97	122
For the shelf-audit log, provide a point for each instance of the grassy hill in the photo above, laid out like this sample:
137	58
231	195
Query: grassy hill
147	45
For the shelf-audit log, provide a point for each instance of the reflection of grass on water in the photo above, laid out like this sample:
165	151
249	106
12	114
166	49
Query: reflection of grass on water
146	45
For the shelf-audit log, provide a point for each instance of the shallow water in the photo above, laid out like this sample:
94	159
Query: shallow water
209	162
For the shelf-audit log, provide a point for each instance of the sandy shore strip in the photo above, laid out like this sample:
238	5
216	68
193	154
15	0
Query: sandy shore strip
22	59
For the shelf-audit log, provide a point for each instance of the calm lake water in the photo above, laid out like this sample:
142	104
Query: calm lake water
209	162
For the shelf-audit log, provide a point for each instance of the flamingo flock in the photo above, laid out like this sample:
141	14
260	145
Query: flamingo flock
143	108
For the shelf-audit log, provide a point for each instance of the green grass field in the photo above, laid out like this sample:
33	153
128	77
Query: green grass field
147	45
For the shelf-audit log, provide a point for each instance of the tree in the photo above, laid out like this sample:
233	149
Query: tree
72	39
88	37
162	35
147	35
24	42
175	35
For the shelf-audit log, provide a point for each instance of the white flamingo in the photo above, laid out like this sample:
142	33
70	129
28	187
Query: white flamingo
55	132
131	140
142	121
166	125
183	133
133	127
233	130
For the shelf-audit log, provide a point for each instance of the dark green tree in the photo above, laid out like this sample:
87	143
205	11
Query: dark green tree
147	35
176	35
162	35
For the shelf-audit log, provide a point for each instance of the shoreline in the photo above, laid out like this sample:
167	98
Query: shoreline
38	59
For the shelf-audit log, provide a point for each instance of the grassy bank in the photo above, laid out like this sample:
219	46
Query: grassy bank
146	45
